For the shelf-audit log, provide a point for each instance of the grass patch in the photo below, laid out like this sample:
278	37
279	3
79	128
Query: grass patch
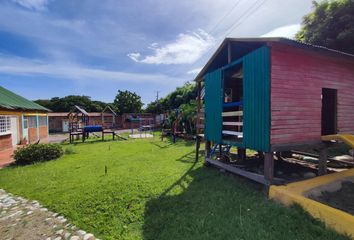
155	190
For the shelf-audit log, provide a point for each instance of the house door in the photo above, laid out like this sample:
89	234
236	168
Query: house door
329	111
14	130
65	126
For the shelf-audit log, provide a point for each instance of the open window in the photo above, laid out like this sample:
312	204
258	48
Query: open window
232	113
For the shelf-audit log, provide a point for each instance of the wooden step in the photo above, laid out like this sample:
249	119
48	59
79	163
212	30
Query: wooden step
233	133
232	114
232	123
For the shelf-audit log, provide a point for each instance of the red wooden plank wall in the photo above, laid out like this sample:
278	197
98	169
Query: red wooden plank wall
297	79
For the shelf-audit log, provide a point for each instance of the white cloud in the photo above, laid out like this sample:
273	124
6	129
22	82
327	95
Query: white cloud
194	71
33	4
288	31
134	56
19	66
187	48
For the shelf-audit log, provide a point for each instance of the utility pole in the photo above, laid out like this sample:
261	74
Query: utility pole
157	102
157	96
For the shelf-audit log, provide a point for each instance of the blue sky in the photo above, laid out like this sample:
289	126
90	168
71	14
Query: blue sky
54	48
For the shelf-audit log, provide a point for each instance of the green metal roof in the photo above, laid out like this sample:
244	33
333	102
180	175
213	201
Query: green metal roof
12	101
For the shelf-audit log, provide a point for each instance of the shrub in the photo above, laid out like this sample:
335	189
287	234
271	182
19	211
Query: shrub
37	153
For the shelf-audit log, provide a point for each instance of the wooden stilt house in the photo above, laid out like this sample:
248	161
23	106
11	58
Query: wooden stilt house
273	95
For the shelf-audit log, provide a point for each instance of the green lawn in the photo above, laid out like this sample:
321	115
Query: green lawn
155	190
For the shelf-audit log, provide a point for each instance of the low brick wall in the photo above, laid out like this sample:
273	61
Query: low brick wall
43	132
5	142
32	135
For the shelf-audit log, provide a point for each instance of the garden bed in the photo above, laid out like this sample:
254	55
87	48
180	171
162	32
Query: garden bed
339	195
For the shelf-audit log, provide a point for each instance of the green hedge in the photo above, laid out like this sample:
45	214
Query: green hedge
37	153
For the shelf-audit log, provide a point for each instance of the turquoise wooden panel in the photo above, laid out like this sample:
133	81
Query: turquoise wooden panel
213	106
256	108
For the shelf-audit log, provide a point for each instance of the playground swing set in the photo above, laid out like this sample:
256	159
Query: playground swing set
145	126
176	130
79	125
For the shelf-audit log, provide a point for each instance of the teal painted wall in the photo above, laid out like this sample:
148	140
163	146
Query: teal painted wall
256	102
213	105
256	93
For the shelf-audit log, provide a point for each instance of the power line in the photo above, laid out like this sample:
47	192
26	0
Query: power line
253	9
249	12
225	16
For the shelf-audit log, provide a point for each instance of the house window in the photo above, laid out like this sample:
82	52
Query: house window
5	124
32	121
42	121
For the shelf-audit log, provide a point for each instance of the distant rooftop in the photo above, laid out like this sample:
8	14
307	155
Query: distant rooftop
12	101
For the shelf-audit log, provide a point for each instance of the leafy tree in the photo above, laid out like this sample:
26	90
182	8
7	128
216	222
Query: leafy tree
331	24
189	116
182	98
45	103
65	104
127	102
182	95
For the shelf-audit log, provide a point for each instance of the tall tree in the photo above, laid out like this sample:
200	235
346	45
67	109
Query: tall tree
331	24
127	102
65	104
182	95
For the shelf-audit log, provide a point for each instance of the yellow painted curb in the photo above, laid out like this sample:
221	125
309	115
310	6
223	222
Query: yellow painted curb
295	193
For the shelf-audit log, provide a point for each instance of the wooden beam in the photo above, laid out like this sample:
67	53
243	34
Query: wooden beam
296	146
199	89
253	176
232	114
233	133
269	167
232	123
207	149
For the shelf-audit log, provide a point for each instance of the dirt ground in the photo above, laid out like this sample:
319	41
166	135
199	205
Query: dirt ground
342	199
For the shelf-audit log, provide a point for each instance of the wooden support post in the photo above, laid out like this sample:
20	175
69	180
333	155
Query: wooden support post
322	161
198	138
220	152
197	146
269	167
241	153
207	149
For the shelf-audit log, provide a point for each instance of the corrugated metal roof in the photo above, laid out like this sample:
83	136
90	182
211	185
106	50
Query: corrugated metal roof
12	101
287	41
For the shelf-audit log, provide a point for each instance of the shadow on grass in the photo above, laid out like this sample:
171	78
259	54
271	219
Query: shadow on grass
187	158
207	204
162	144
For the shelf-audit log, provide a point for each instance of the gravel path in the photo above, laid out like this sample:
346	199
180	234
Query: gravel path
22	219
